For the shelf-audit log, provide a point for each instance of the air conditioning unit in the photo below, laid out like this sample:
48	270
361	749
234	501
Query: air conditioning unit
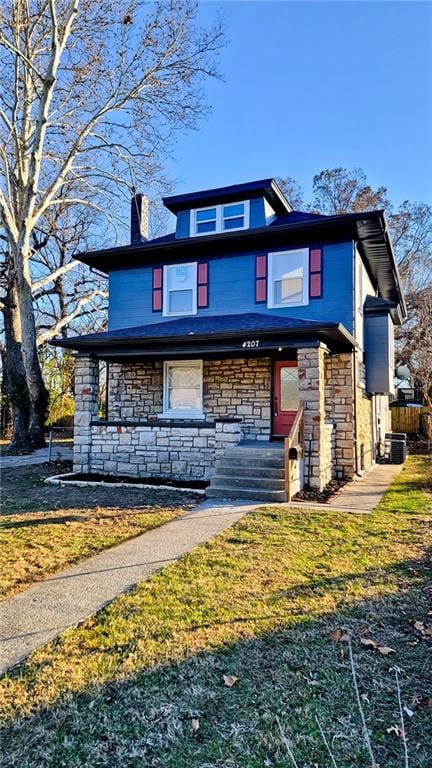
395	447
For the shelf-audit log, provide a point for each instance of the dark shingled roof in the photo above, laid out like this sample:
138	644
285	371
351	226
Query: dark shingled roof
207	327
377	303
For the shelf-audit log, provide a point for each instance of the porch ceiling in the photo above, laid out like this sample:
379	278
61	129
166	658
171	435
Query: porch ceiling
252	334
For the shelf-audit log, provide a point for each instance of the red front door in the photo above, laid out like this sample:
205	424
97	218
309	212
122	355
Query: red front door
285	396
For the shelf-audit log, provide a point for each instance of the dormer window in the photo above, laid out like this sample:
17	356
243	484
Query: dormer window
220	218
205	221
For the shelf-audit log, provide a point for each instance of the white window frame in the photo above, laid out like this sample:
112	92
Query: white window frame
270	290
172	413
219	218
166	290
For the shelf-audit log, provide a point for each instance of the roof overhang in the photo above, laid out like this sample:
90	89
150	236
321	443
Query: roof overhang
267	188
250	343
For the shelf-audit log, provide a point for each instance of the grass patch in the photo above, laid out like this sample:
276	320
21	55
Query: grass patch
259	602
45	528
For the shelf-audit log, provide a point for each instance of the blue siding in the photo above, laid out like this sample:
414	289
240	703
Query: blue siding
256	213
379	357
232	291
183	224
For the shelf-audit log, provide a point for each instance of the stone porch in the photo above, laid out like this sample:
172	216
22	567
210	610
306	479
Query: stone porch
237	394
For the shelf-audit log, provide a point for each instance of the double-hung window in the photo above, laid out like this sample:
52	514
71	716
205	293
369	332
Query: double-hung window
180	289
288	278
220	218
234	216
205	221
183	391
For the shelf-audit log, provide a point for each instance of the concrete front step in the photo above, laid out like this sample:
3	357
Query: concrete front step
228	469
260	483
240	493
238	451
250	471
276	462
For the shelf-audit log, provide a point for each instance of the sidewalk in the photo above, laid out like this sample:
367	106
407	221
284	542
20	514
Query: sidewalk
59	452
360	496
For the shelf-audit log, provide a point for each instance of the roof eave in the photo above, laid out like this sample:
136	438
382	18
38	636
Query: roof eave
94	258
81	344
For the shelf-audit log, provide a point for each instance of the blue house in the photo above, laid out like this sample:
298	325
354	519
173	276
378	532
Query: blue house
251	328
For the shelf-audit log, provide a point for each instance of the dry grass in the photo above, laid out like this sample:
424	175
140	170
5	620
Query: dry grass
128	686
46	528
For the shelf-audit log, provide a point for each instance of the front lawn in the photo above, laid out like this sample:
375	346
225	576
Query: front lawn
268	602
44	528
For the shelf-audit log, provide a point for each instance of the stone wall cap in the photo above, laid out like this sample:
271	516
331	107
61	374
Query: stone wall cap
154	423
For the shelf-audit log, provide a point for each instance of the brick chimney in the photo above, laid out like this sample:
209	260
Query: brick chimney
139	219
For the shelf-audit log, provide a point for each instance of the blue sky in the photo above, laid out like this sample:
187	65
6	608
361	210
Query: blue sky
314	85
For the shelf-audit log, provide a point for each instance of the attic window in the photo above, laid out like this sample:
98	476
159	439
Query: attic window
205	221
233	216
220	218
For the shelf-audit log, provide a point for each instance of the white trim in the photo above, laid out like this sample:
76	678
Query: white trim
172	413
166	291
219	221
305	293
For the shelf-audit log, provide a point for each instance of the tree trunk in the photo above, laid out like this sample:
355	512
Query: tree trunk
6	413
16	378
35	384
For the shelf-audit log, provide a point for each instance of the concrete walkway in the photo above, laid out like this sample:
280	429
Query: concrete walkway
59	451
364	493
45	609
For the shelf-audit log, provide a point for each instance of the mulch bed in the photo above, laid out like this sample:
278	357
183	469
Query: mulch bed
99	478
310	494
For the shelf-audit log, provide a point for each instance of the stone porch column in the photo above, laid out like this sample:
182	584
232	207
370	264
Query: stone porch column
86	409
317	436
340	409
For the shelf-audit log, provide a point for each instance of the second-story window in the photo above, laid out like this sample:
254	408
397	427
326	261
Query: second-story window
220	218
288	278
180	289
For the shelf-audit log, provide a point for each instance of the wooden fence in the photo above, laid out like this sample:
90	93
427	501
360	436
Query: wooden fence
407	420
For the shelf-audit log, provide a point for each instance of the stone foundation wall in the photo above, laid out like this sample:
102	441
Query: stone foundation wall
238	388
366	456
176	452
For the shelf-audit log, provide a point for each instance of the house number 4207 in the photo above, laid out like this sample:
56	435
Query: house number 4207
251	344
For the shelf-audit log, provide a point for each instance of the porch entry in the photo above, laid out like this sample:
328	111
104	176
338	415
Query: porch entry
285	396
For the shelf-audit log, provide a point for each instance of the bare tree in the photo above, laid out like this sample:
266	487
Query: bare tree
293	192
92	90
340	190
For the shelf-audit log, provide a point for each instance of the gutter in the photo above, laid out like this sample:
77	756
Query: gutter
395	269
243	235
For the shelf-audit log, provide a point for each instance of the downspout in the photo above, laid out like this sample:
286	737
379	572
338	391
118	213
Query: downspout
356	462
354	359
